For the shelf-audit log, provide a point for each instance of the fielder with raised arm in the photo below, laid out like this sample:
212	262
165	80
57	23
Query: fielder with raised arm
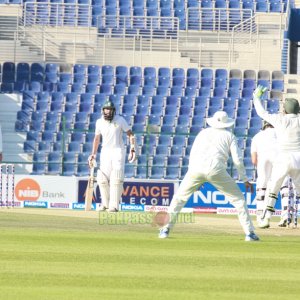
287	163
110	176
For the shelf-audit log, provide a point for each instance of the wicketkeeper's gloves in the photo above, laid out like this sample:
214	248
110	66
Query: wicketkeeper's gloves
259	91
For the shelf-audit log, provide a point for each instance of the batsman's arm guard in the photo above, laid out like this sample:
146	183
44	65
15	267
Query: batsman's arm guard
132	156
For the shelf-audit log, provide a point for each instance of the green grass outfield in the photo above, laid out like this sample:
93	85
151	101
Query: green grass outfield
67	255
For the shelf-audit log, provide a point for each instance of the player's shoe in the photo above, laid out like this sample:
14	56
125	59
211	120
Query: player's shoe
102	208
164	233
282	223
251	237
112	210
265	223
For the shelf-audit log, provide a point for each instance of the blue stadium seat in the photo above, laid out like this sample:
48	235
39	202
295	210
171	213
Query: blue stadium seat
276	6
233	93
38	168
205	91
29	146
37	72
149	81
23	72
82	170
161	150
176	91
182	129
262	6
148	90
8	72
219	92
50	116
150	72
221	82
184	110
7	88
50	126
277	85
154	120
247	93
235	83
164	140
249	83
129	171
157	172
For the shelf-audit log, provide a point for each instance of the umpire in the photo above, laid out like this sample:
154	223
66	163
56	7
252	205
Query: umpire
287	127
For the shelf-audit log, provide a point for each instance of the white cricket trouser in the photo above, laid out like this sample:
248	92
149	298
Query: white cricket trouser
286	164
264	171
218	176
112	163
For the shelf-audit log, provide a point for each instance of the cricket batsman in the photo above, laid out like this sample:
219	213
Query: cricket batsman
110	176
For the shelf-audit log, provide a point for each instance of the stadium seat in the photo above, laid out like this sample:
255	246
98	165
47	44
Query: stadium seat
8	72
23	72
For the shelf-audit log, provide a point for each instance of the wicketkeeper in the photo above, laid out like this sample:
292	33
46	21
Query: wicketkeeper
287	163
110	176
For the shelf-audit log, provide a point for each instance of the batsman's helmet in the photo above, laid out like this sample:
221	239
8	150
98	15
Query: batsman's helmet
291	106
108	105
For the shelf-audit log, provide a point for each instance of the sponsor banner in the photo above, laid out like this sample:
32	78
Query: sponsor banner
59	205
12	204
55	189
209	196
36	204
81	206
151	208
205	210
136	193
132	207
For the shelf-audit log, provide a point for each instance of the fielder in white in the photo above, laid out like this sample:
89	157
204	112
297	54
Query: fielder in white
263	154
110	176
208	162
287	163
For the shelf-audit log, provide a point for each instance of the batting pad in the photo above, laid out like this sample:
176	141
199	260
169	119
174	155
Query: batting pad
102	181
116	188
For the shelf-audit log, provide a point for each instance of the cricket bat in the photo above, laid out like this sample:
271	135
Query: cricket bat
89	190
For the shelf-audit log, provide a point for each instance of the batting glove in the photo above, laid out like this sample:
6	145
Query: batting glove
132	154
259	91
92	161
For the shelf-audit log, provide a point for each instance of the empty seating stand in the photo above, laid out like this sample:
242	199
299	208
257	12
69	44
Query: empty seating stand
165	124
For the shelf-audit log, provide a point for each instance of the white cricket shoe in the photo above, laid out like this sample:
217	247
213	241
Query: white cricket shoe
102	208
112	210
265	223
163	233
251	237
282	223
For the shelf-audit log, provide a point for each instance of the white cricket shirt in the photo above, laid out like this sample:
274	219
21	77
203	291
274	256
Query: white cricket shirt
213	144
112	132
264	143
287	127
